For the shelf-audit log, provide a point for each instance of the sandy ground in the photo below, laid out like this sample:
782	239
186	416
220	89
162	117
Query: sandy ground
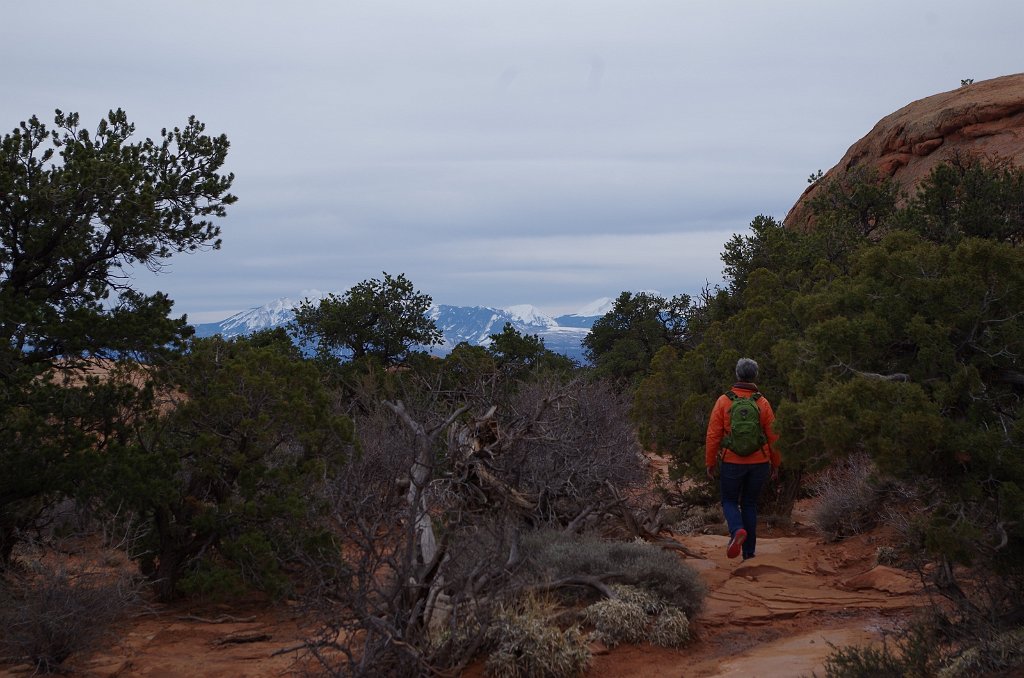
779	614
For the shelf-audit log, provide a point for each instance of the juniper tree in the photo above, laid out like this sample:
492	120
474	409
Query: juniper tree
622	343
380	319
517	353
227	475
79	210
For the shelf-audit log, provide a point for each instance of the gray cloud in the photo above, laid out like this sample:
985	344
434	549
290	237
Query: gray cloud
527	152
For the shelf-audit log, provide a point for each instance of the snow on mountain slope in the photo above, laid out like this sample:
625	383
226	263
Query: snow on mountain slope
273	314
598	308
277	312
471	324
530	315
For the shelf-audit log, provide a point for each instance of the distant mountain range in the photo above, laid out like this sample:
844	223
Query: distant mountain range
473	324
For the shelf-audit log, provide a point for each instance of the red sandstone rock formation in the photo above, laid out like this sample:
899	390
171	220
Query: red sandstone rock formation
985	119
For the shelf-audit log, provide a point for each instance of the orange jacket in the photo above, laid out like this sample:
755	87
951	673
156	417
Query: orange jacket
718	428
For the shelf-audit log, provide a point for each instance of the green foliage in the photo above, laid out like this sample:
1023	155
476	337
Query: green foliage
923	651
381	319
768	246
968	198
229	475
855	205
468	368
516	353
79	210
887	330
212	580
622	343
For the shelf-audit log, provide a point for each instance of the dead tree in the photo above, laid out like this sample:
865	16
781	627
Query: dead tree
431	516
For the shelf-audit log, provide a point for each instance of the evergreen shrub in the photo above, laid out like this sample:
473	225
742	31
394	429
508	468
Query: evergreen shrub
555	555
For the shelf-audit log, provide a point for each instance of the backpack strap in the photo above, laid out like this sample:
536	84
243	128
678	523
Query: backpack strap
733	397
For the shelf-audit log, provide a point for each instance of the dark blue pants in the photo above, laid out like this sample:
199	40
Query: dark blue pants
741	487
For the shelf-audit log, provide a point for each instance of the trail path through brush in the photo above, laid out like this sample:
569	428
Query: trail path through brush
780	613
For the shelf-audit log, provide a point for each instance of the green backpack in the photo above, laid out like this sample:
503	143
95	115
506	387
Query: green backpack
746	435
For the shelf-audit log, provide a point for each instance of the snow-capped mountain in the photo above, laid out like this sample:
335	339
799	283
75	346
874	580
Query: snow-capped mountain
277	312
596	308
472	324
531	316
476	324
586	316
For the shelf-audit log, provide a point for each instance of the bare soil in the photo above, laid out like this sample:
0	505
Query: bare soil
779	614
783	612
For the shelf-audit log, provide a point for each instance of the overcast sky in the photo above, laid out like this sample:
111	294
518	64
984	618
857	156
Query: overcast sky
497	153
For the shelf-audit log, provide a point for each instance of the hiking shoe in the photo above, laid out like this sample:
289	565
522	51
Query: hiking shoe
736	543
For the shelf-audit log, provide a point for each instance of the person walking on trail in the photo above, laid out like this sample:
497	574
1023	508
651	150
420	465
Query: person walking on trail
740	440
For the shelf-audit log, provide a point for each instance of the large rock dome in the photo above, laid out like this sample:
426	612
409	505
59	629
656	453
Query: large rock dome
983	119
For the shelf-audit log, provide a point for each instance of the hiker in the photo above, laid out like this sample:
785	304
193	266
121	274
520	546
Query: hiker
740	439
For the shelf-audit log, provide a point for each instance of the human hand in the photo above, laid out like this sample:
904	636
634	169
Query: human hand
775	474
711	472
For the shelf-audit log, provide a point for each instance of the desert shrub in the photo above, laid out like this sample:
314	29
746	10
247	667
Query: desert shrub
888	556
455	464
527	645
848	498
617	621
645	600
865	662
670	629
1005	652
702	519
554	556
233	473
213	581
570	442
431	511
912	654
637	616
49	612
924	650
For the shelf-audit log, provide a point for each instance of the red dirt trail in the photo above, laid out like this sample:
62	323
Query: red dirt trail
779	614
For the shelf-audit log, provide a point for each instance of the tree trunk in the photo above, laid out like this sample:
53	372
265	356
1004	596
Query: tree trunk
417	499
165	578
7	542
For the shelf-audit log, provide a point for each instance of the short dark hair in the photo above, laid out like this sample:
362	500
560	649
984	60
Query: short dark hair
746	369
